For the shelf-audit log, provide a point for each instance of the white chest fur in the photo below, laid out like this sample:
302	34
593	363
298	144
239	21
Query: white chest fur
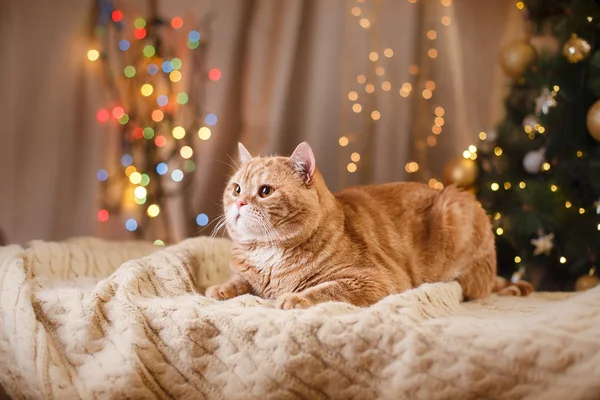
266	258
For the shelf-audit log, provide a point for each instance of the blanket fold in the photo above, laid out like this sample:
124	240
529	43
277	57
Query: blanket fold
87	318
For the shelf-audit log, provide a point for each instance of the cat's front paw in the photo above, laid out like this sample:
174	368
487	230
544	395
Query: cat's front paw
288	301
222	292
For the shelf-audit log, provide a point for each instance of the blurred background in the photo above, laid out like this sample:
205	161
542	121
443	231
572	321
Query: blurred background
121	118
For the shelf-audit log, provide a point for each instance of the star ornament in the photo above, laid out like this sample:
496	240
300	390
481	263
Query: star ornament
545	101
543	244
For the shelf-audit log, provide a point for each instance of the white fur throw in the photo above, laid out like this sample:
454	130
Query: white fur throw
93	319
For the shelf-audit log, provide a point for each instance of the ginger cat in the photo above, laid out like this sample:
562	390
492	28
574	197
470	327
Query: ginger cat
296	242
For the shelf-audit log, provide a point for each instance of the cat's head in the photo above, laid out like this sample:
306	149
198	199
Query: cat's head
273	198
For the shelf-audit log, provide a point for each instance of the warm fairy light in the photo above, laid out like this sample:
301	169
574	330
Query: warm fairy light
494	186
431	141
186	152
147	89
546	166
431	34
413	69
157	115
204	133
93	55
140	192
118	112
562	260
369	88
432	182
375	115
153	210
353	96
497	151
407	87
527	129
568	204
579	153
482	135
472	149
553	188
355	157
446	21
411	167
214	74
102	115
439	111
436	129
404	93
365	23
389	53
176	22
380	71
356	108
430	85
473	156
386	86
175	76
343	141
590	18
373	56
517	259
499	231
466	154
130	170
507	185
356	11
361	79
541	129
599	227
351	167
520	5
427	94
522	185
581	210
447	3
439	121
103	215
497	216
135	178
178	132
432	53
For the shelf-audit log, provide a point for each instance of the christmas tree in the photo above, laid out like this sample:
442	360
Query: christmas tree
539	170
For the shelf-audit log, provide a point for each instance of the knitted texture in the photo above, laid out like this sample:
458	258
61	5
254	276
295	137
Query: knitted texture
93	319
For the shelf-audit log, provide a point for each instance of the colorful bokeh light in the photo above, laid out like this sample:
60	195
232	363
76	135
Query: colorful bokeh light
214	74
176	22
103	215
102	115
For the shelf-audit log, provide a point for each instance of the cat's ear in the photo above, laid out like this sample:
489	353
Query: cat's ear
245	155
303	161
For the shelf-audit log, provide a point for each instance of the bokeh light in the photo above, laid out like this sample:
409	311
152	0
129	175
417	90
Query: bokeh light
153	210
139	23
210	119
186	152
131	225
103	215
117	15
149	51
194	36
102	175
93	55
176	22
102	115
126	160
129	71
160	141
147	89
166	67
204	133
178	132
162	168
175	76
177	175
139	33
182	98
214	74
152	69
157	115
162	100
124	45
176	63
135	178
202	219
148	133
140	192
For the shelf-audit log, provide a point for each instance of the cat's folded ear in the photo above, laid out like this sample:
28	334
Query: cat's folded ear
303	161
245	155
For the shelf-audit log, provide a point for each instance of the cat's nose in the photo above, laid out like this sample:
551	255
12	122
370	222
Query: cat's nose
240	203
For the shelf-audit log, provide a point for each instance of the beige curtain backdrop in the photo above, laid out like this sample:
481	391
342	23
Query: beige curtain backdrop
288	66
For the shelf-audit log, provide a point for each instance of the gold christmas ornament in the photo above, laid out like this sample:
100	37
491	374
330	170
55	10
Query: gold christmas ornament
586	282
461	171
516	58
593	120
576	49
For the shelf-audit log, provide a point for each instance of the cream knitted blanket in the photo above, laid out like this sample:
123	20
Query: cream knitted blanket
93	319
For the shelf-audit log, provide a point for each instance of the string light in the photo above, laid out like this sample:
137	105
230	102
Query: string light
365	23
431	34
103	215
175	76
517	259
355	157
520	5
139	33
176	22
351	167
356	108
178	132
369	88
431	141
93	55
522	185
375	115
153	210
204	133
380	71
356	11
135	178
411	167
361	79
579	153
202	219
353	96
147	89
389	53
130	170
214	74
546	166
140	192
497	216
436	129
160	141
563	260
432	53
131	225
343	141
373	56
581	210
439	121
446	21
495	186
499	231
186	152
386	86
427	94
568	204
413	69
157	115
497	151
482	135
553	188
447	3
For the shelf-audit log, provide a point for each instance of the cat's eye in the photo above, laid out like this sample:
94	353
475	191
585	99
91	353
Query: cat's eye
236	189
265	191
